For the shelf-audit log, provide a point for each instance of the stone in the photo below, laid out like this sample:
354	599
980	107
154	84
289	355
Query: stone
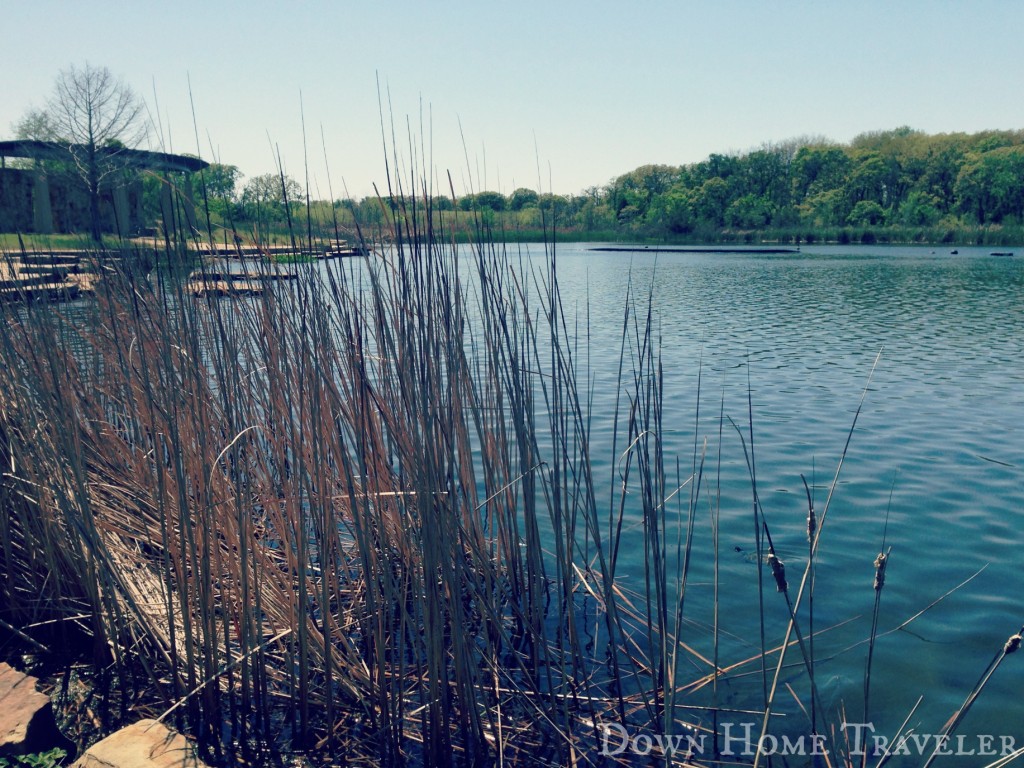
26	715
145	744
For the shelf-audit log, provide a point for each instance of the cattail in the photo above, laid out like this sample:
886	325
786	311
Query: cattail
778	571
812	519
880	563
1012	644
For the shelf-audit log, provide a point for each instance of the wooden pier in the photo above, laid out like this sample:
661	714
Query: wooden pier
35	280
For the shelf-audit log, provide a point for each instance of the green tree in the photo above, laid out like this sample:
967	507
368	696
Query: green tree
558	206
712	200
595	215
866	212
920	210
867	179
272	188
673	211
946	156
522	198
221	181
827	208
717	166
493	200
270	199
765	174
991	185
36	125
818	169
631	194
218	184
748	212
369	212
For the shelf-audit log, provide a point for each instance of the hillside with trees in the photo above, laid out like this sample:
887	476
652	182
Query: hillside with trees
901	185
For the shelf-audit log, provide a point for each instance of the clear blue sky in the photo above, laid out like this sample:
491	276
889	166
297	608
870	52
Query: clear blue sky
584	91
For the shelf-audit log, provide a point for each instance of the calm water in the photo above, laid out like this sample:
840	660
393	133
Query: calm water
940	430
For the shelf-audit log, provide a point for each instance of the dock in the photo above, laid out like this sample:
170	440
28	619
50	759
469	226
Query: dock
318	251
24	280
753	250
201	288
236	277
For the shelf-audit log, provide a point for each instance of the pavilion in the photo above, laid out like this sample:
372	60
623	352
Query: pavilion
38	197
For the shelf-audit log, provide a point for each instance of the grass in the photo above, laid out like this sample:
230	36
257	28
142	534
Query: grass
48	759
293	258
359	515
11	242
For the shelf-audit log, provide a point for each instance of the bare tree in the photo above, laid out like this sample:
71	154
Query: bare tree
96	116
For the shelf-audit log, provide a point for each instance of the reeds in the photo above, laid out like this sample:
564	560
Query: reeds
358	515
322	515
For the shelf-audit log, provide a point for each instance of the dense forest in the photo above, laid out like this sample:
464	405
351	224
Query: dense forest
890	186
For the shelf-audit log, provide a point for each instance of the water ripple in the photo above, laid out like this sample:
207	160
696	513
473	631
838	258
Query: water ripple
940	427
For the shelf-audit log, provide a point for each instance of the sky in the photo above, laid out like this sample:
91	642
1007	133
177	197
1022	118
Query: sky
557	96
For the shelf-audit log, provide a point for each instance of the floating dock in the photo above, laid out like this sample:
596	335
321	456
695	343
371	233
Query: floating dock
31	278
236	277
692	249
201	288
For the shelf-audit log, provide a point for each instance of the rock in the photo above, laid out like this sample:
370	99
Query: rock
145	744
26	716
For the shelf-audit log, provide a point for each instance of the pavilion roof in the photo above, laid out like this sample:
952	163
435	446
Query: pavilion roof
141	158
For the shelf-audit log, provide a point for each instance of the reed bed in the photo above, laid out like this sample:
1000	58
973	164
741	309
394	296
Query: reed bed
357	515
321	518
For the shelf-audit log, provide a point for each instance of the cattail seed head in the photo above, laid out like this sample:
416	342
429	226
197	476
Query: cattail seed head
778	571
880	563
1012	644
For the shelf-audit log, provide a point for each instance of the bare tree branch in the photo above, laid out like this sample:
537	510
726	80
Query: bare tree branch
96	115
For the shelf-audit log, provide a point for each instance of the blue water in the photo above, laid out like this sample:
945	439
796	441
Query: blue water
940	430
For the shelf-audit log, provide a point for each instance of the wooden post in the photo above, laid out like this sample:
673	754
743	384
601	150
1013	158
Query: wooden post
122	210
189	201
42	211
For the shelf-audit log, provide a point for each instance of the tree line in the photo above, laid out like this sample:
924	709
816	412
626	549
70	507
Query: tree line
903	182
899	178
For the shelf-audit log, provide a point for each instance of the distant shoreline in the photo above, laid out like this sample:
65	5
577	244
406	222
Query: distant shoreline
691	249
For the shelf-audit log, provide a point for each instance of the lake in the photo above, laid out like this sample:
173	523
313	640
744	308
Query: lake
938	449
